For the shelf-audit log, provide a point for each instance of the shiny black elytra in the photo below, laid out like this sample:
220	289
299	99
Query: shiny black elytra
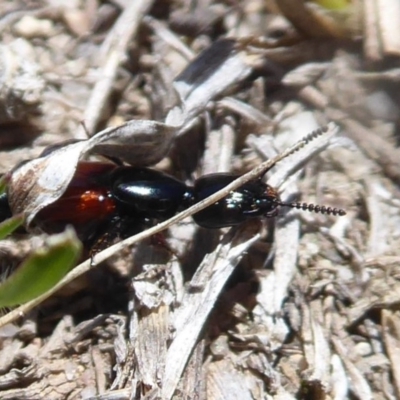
105	199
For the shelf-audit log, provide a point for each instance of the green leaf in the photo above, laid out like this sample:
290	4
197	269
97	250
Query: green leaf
3	184
10	225
333	4
42	270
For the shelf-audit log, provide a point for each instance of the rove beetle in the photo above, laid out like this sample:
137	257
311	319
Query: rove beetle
118	201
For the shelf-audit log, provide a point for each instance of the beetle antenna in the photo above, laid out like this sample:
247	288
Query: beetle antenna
300	144
314	208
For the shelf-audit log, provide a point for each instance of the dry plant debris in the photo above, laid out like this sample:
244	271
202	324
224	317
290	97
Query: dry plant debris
303	307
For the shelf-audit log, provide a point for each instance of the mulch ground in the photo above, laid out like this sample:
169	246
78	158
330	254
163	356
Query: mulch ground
301	306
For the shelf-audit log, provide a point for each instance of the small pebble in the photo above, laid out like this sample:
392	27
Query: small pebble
363	349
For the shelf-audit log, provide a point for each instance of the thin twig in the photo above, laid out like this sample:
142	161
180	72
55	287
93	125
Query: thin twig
115	49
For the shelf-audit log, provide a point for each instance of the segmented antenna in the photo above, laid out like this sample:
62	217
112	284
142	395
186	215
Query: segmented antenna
314	208
314	134
308	138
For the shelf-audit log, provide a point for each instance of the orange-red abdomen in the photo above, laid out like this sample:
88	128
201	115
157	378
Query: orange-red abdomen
86	203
